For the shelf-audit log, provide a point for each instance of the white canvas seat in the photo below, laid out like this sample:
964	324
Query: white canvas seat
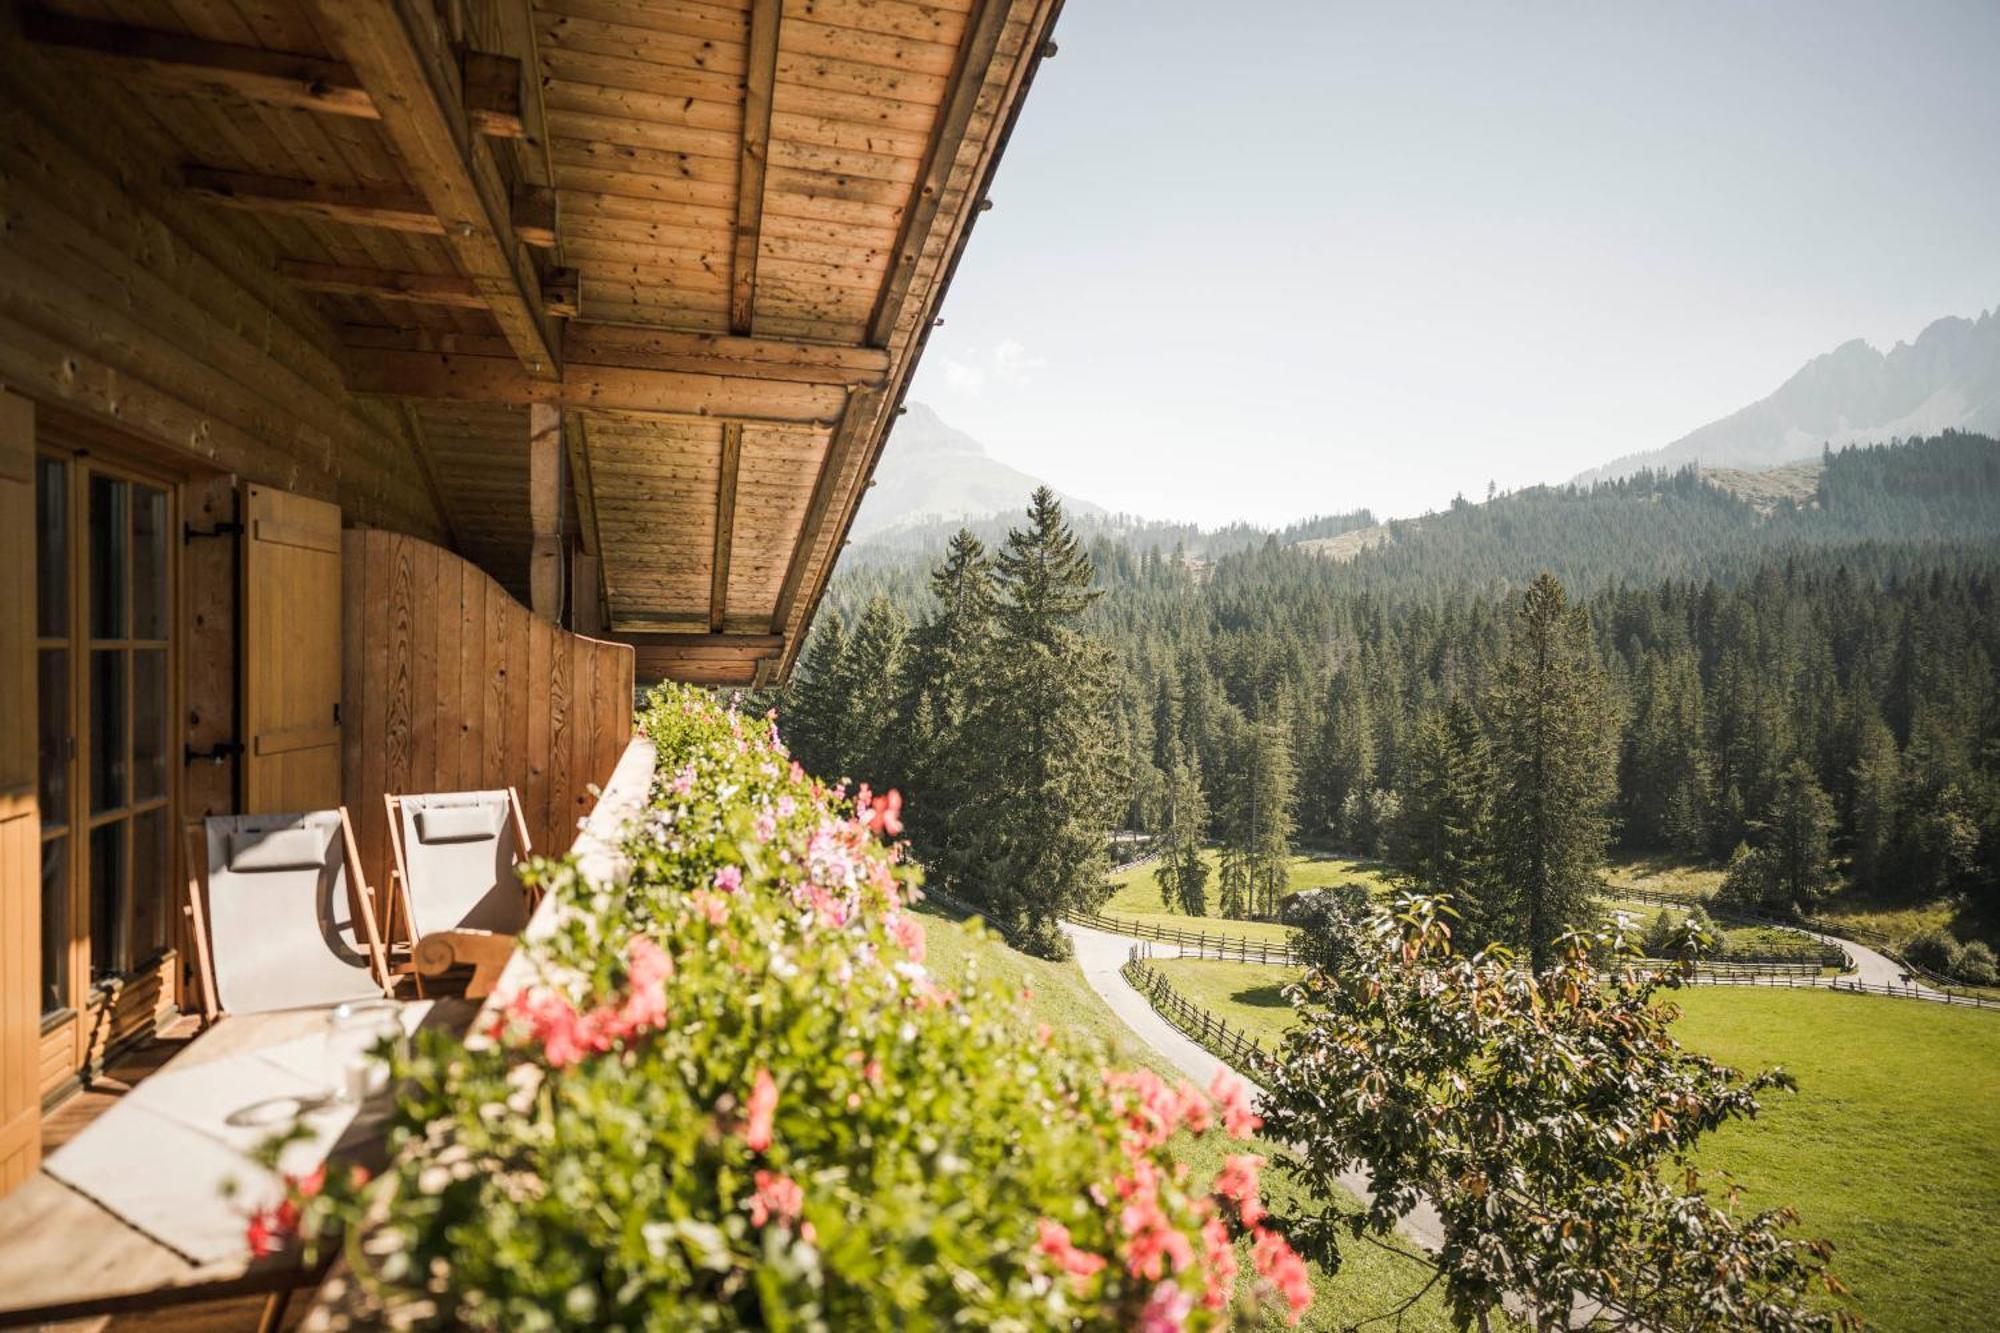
284	921
455	859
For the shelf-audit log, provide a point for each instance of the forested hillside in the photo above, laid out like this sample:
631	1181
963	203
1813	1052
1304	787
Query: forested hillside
1832	662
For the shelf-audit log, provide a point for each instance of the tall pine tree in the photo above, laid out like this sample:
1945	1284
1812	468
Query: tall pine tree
1554	753
1046	787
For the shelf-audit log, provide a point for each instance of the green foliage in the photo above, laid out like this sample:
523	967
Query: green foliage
1044	786
1553	761
1182	872
1256	822
734	1098
1935	951
1789	869
1976	965
1548	1117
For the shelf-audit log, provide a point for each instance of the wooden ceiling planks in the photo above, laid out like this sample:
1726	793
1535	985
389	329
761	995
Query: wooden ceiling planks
800	174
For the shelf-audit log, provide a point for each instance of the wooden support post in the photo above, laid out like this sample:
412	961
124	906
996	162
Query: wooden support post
725	525
545	472
759	82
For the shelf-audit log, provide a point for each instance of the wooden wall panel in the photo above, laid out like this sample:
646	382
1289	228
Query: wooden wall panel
121	300
452	685
20	820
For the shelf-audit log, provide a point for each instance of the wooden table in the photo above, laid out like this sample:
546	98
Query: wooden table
63	1256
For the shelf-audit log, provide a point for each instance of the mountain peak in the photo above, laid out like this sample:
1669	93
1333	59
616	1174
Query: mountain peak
931	470
1948	379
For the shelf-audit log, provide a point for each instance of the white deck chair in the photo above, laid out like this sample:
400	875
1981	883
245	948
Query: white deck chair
455	859
284	921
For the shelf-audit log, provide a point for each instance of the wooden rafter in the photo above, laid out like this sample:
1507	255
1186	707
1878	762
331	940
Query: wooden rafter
403	59
645	391
182	62
576	439
725	525
982	37
760	81
851	434
420	443
446	289
545	473
391	209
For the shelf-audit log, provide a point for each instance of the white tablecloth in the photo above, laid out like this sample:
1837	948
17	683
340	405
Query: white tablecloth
173	1157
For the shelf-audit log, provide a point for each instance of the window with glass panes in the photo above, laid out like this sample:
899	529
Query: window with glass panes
104	624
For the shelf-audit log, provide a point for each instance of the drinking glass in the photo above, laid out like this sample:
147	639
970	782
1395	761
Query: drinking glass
354	1035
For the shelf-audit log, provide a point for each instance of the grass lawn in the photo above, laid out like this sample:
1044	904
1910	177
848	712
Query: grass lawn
1136	894
1370	1281
1665	874
1888	1149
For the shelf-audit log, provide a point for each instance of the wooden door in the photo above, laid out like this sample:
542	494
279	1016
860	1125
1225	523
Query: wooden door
291	652
20	823
104	626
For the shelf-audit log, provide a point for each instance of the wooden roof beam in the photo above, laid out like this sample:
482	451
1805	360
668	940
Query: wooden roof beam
403	59
445	289
975	57
645	391
759	82
392	210
182	62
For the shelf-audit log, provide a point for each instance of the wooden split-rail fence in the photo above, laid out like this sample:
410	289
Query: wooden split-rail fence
1231	1045
1194	943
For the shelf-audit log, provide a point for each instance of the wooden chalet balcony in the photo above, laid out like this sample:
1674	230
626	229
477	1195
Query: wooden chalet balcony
387	386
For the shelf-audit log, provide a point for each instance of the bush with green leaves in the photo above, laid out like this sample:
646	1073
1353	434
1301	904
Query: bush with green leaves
1934	951
1976	965
734	1097
1549	1118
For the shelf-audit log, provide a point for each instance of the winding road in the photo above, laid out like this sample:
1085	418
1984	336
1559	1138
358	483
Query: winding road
1101	955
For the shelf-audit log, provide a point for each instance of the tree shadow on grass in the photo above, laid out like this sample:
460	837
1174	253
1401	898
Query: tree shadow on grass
1262	997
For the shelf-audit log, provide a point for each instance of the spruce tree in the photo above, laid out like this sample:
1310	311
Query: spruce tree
1047	786
815	709
1554	758
1182	873
1446	820
946	653
1257	821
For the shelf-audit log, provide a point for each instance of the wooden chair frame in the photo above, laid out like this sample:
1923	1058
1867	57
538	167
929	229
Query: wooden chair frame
362	899
480	951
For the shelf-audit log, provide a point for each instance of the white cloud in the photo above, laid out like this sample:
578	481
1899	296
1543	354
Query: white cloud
1006	365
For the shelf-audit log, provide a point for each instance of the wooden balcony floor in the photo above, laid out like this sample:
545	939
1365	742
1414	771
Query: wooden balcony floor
75	1115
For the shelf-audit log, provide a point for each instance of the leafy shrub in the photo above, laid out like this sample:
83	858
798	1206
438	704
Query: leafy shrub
1934	951
1976	966
735	1098
1321	921
1551	1121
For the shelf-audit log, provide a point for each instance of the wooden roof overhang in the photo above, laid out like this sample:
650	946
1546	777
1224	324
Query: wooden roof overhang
705	238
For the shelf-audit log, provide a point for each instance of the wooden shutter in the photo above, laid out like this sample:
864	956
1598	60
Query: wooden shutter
20	824
291	652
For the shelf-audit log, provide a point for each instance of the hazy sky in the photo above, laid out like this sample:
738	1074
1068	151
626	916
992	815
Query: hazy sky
1266	259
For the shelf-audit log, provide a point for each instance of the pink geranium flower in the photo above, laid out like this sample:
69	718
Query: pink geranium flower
1234	1094
1052	1239
763	1107
777	1196
1237	1182
1281	1266
1166	1310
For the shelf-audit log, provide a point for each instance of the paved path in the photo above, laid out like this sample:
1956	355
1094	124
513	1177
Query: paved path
1101	955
